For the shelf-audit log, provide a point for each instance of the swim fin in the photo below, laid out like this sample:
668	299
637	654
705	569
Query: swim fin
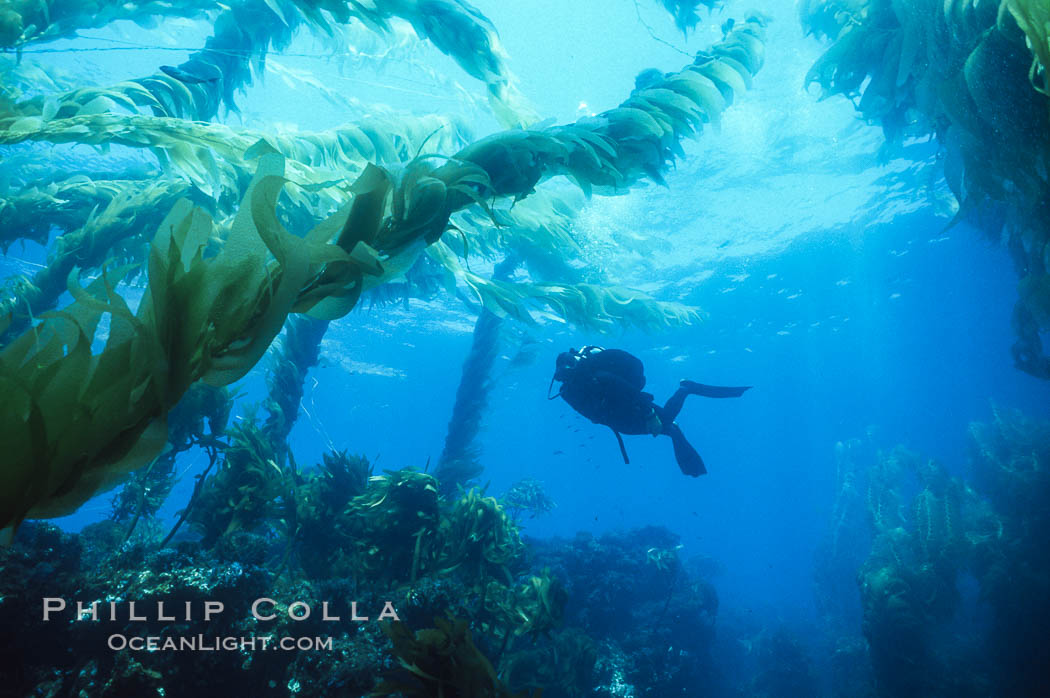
623	449
689	461
713	390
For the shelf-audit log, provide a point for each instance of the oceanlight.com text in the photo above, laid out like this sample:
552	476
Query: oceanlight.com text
230	643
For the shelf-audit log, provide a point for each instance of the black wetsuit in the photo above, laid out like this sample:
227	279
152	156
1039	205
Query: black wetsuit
606	386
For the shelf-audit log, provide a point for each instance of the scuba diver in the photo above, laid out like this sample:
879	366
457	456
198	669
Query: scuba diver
605	386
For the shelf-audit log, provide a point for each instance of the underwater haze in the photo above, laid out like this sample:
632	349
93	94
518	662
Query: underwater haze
288	281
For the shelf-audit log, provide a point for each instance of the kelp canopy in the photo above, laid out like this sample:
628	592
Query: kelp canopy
973	74
245	31
224	273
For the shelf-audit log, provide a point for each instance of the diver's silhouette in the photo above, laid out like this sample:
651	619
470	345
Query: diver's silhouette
605	386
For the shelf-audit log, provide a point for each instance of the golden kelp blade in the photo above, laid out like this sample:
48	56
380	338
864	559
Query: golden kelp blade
77	421
85	419
1033	17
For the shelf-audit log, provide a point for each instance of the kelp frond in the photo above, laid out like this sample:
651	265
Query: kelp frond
528	496
248	491
479	539
592	306
214	156
440	661
32	212
75	422
245	31
82	420
115	211
539	228
686	12
27	21
974	74
1033	18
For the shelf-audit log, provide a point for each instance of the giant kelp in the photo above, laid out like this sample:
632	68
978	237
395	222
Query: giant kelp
927	532
538	230
479	537
321	499
686	12
459	458
441	661
223	278
245	32
27	21
248	490
106	220
296	351
593	306
113	417
210	156
1034	20
392	526
974	74
200	417
30	213
844	550
528	496
1010	460
109	232
908	581
211	316
399	529
216	157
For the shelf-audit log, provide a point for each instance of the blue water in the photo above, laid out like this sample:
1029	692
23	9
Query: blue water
829	281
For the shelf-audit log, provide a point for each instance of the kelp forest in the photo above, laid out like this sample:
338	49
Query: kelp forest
186	251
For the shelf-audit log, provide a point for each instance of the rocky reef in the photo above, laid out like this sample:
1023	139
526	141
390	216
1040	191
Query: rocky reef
380	585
